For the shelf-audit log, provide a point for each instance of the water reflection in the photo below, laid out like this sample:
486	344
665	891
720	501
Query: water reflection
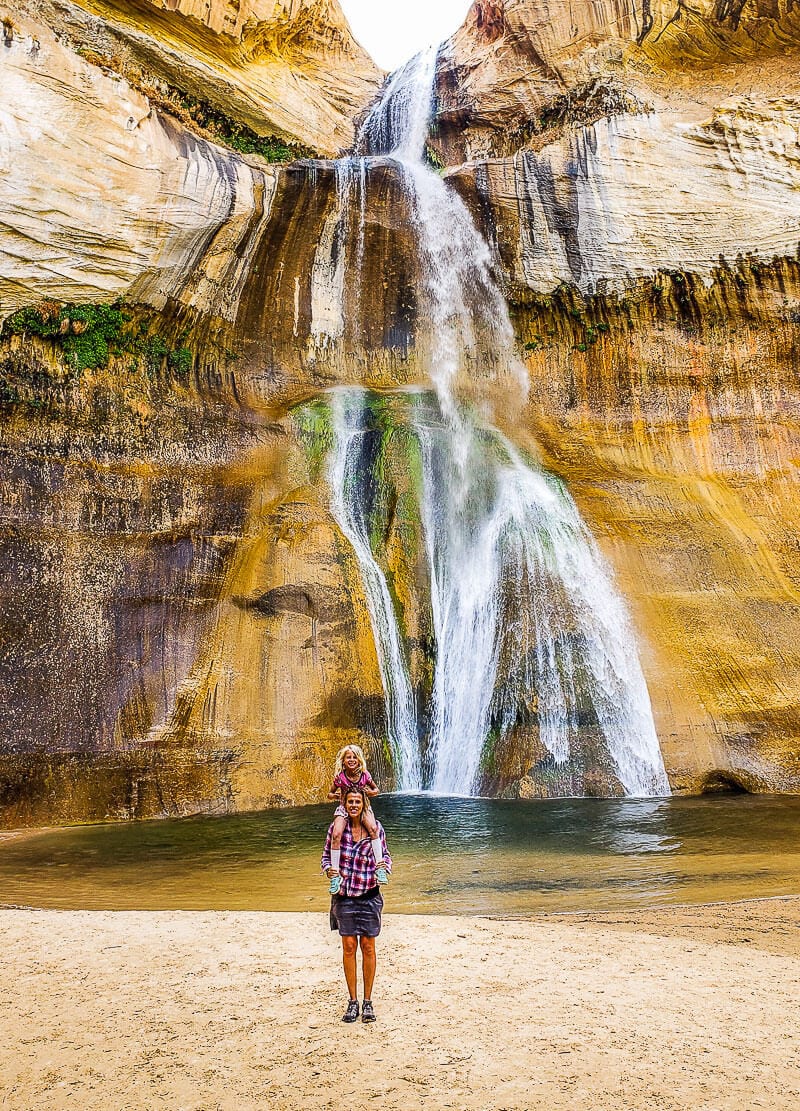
641	828
451	856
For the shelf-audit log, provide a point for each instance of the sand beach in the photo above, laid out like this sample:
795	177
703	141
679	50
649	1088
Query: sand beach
669	1008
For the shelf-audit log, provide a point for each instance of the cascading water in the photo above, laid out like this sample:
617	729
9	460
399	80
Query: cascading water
347	419
526	620
524	605
397	124
469	330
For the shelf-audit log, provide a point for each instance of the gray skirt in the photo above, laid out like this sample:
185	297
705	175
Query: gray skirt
357	915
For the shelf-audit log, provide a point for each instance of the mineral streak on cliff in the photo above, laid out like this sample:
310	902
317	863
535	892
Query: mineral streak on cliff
626	196
183	624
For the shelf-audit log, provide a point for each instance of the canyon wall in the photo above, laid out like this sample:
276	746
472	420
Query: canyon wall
184	625
636	174
289	69
164	550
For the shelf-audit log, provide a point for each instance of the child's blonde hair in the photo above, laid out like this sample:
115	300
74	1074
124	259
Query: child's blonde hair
362	760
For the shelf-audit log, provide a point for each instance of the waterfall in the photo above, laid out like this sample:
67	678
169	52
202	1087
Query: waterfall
397	124
462	542
516	574
468	327
349	432
527	623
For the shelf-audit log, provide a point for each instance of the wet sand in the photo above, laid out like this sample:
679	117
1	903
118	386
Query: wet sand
670	1008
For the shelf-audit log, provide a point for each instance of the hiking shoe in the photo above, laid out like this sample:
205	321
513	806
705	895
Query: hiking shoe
381	875
336	883
367	1013
351	1014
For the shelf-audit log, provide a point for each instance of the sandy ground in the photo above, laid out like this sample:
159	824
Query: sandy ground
669	1008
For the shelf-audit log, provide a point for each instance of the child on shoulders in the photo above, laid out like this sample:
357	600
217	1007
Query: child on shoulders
351	771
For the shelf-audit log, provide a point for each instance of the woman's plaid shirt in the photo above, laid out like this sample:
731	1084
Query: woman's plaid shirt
357	862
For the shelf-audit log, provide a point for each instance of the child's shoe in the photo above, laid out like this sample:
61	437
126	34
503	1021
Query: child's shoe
381	875
336	883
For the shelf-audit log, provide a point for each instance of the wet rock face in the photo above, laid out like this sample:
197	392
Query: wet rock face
329	289
181	628
112	536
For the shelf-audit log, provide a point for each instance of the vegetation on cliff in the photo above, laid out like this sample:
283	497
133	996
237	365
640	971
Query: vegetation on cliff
214	124
199	115
86	337
95	363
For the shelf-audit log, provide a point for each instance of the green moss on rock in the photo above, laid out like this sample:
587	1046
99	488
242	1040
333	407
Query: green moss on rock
88	336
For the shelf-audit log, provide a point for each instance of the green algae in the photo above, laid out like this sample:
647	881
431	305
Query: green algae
314	430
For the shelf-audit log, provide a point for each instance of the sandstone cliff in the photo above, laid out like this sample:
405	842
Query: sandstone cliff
635	167
103	196
277	67
518	70
185	625
148	510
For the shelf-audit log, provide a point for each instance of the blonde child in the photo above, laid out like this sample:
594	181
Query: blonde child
351	771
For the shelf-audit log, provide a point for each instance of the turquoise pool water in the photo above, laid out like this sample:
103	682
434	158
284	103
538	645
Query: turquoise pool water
451	856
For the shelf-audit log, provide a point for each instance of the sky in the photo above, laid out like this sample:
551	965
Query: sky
394	30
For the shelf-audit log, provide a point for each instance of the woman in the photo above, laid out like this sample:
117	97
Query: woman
356	911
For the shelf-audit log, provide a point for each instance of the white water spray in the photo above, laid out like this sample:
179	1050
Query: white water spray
468	331
515	575
348	423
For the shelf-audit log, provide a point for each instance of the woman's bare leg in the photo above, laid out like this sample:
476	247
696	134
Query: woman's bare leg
349	950
368	961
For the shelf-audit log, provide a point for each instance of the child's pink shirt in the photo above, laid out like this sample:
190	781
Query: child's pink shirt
343	783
